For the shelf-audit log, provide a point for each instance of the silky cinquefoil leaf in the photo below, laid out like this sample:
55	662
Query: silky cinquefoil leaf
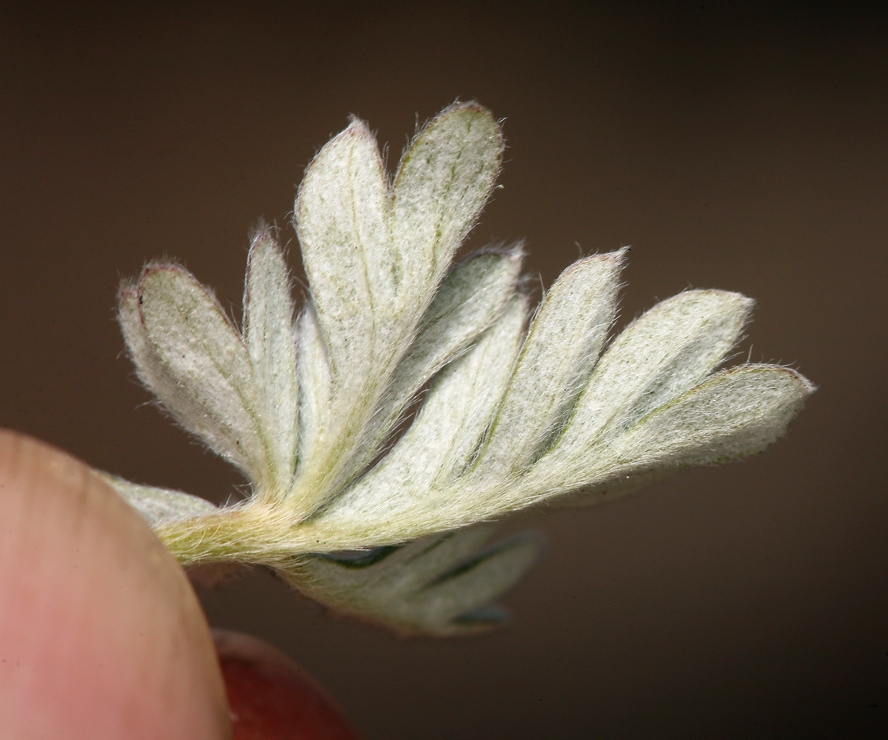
469	299
370	290
342	218
436	449
433	586
190	355
504	416
159	506
316	384
662	354
735	413
270	341
470	587
443	181
562	347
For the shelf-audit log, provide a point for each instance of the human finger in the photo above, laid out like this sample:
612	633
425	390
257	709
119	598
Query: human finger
101	635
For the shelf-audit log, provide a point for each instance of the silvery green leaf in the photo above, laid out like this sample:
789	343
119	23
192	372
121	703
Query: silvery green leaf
190	355
443	181
557	357
469	299
507	421
662	354
735	413
732	414
343	221
268	335
342	218
315	383
438	586
159	506
412	488
370	290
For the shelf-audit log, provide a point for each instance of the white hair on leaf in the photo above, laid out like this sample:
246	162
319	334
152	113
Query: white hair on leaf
521	407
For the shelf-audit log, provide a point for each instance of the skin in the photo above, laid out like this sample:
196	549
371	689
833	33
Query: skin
101	635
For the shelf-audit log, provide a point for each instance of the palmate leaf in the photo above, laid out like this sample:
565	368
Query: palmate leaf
513	406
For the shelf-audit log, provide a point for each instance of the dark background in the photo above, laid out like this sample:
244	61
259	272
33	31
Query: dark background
733	145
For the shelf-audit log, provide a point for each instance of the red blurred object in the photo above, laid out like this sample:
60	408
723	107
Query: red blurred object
271	698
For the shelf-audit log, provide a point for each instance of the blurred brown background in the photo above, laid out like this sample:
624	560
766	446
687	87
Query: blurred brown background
732	147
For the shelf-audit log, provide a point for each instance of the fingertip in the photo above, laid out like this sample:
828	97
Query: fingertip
100	632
